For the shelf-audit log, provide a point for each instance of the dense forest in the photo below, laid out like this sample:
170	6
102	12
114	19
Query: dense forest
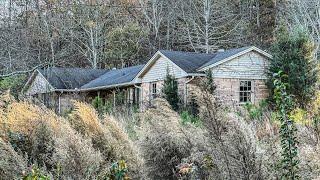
106	34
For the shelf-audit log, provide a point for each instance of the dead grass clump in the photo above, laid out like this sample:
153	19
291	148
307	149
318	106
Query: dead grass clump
107	137
124	147
162	141
12	165
85	119
74	155
233	142
49	141
42	142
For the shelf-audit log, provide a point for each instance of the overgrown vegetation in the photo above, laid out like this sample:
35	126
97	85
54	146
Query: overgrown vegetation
293	54
170	91
216	144
12	83
284	105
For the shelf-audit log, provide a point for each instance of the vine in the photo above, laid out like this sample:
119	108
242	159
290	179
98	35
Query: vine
284	105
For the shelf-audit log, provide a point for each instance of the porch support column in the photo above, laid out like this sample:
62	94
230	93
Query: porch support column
114	98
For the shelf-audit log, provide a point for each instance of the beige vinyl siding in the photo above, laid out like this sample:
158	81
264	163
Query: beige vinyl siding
158	70
38	86
251	65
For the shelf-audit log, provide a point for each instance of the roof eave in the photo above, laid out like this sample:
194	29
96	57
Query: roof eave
109	86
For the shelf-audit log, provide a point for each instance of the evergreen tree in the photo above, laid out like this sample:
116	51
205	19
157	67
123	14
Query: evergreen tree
170	91
208	84
293	55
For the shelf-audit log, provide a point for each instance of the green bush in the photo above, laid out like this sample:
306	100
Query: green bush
118	171
13	83
35	174
293	55
170	91
288	130
256	112
186	117
101	106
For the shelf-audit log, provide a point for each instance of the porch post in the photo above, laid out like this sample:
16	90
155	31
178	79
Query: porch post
114	98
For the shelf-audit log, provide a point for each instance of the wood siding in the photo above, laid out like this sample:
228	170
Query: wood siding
158	70
248	66
38	86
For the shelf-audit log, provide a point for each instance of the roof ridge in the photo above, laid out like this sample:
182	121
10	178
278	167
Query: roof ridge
189	52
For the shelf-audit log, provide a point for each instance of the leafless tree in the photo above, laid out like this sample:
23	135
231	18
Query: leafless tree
305	14
209	24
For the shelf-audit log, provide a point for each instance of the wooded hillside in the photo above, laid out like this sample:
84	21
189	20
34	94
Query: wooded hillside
118	33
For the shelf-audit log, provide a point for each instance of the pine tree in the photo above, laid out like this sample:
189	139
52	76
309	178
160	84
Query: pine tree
170	91
208	84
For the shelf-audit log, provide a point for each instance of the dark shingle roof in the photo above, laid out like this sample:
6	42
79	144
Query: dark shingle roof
190	61
223	55
113	77
70	78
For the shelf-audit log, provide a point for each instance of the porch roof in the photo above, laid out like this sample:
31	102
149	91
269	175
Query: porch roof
113	77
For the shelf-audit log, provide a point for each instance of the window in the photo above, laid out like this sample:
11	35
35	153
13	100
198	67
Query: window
154	90
245	91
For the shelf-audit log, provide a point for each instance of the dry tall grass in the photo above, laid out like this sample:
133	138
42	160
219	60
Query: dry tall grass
225	146
164	142
107	136
67	151
12	165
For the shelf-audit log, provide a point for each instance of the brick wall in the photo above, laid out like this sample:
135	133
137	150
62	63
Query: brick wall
228	90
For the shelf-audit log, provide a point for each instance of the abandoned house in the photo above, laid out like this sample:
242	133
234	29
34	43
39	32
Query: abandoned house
239	75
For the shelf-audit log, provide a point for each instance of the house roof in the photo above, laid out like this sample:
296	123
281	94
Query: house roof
70	78
219	56
114	77
190	62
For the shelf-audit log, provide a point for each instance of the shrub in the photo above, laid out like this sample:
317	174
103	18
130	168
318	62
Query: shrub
162	141
49	141
13	83
189	118
98	104
293	55
12	165
256	112
170	91
118	171
107	137
75	155
35	174
231	140
288	129
208	83
42	146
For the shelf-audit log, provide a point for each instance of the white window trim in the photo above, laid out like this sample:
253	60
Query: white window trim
152	94
251	92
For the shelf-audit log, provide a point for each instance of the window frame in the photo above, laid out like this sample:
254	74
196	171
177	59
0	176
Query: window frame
153	90
246	91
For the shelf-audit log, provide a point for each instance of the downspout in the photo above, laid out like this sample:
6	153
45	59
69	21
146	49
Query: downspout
186	90
59	102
